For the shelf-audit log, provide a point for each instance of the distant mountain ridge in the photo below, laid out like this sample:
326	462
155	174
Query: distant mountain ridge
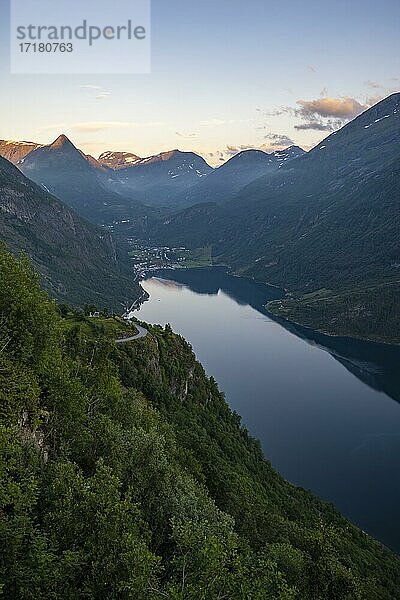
163	177
169	179
80	181
116	185
224	183
291	198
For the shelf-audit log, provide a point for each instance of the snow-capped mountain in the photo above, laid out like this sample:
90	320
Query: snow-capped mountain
118	160
163	177
288	153
15	152
173	163
84	181
79	180
224	183
172	178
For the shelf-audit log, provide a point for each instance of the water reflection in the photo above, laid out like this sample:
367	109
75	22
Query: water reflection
322	407
377	365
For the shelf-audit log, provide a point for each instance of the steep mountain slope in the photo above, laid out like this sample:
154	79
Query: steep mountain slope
79	181
124	474
224	183
327	219
343	192
77	261
16	151
358	267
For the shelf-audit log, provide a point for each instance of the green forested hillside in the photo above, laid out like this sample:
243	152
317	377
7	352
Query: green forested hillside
123	474
370	311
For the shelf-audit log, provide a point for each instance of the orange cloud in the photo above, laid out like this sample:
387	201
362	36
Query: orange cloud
339	108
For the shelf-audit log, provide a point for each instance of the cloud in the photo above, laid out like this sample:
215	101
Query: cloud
326	113
324	107
93	126
102	92
231	150
55	127
278	111
371	100
215	157
342	108
314	125
89	86
185	134
235	149
279	140
103	95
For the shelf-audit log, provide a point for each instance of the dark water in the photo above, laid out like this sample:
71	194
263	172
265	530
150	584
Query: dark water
326	410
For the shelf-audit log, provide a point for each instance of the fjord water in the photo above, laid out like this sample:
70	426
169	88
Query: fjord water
327	410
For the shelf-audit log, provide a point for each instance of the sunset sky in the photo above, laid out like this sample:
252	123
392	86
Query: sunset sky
226	75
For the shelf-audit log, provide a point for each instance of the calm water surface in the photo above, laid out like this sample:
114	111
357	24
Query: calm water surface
326	410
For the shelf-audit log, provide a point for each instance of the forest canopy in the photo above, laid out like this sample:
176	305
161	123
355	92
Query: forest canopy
124	474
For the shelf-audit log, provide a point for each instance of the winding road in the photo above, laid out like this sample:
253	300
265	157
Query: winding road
142	332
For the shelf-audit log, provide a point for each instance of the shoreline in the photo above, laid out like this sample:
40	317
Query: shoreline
341	336
275	317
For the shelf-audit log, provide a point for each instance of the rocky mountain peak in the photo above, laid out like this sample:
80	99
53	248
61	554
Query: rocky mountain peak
62	142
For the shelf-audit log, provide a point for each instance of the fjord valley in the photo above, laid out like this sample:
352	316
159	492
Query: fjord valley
324	225
124	470
321	224
199	300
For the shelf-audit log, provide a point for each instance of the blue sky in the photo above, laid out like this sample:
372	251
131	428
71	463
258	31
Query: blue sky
225	75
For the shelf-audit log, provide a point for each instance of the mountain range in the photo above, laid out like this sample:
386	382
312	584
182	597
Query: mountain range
162	178
76	260
243	168
117	185
78	180
322	224
326	222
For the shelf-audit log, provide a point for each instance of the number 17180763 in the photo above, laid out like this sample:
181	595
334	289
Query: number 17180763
45	47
